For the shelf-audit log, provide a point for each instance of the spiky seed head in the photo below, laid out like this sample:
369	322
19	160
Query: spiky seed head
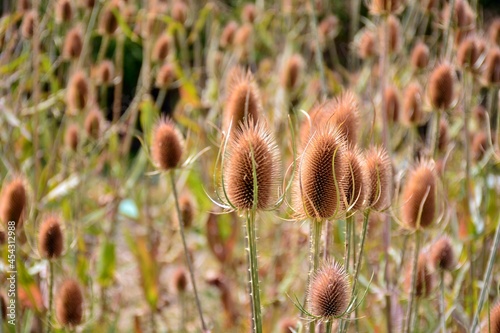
424	283
367	47
321	175
494	32
383	7
392	104
187	209
317	117
167	145
73	44
89	4
480	114
179	11
493	326
394	34
442	255
28	25
378	168
329	292
105	72
441	86
292	72
249	13
444	137
71	137
64	11
23	5
252	160
50	238
412	105
179	280
479	145
227	36
346	115
108	22
93	123
161	48
463	14
288	325
243	99
356	180
243	34
13	202
166	75
467	54
420	56
78	94
328	29
492	67
419	196
69	304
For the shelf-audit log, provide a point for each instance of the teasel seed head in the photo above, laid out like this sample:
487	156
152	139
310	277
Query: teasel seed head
161	48
444	137
78	93
69	304
442	255
252	142
463	14
441	86
93	123
167	146
243	99
71	137
383	7
424	283
356	180
419	196
467	54
412	105
480	114
391	104
73	44
23	5
494	32
108	22
105	72
367	47
292	72
287	325
378	168
179	11
64	11
329	293
493	326
50	238
479	145
28	25
187	209
243	35
420	56
89	4
13	204
179	280
228	33
249	13
394	34
492	67
321	175
328	29
166	76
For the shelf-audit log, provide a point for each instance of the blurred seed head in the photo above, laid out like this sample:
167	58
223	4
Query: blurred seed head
93	123
179	280
356	180
383	7
252	142
424	283
105	72
288	325
419	196
249	13
442	255
23	5
50	238
391	104
187	209
394	34
444	137
440	87
464	14
78	92
479	145
420	56
242	36
166	76
73	44
228	34
108	23
328	29
329	292
14	198
467	54
69	304
378	168
412	114
346	115
367	45
292	72
161	48
64	11
493	326
71	137
492	67
167	145
28	25
89	4
480	114
494	32
179	11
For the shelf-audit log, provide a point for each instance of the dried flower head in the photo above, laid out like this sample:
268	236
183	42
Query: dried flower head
167	145
93	123
378	168
467	54
64	11
441	86
227	36
23	5
479	145
161	48
391	104
464	15
251	173
71	137
105	72
329	292
28	25
367	45
419	196
179	11
412	105
383	7
13	202
420	56
424	283
166	75
328	29
69	304
179	280
480	114
292	72
442	255
243	35
492	67
78	93
394	34
249	13
493	326
187	209
108	22
73	44
356	180
50	238
494	32
89	4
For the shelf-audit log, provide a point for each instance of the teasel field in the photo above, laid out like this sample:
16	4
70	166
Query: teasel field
268	166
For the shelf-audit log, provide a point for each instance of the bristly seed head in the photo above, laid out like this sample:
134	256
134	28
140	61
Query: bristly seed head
420	56
69	304
13	203
493	326
64	11
71	137
378	168
78	93
179	280
161	48
292	71
356	180
50	238
167	145
93	123
492	67
391	104
441	86
424	283
442	255
73	44
412	105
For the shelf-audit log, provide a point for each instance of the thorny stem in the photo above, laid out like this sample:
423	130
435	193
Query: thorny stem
413	284
188	259
51	295
318	56
254	271
314	257
441	302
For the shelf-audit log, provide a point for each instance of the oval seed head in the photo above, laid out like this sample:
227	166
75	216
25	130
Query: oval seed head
166	75
71	137
383	7
479	145
492	67
467	53
89	4
252	160
187	210
69	304
493	326
108	22
50	238
28	25
288	325
412	105
394	34
420	56
161	48
179	11
329	292
441	87
13	203
494	32
424	277
167	145
320	184
378	168
78	93
292	72
346	116
391	104
243	35
243	99
73	44
64	11
179	280
93	123
367	45
105	72
23	5
419	196
328	29
356	181
442	255
249	13
227	36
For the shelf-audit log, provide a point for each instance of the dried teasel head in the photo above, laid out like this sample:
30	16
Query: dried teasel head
50	238
419	196
249	13
92	123
28	25
69	304
108	23
292	72
384	7
493	325
242	36
186	205
394	34
228	33
167	145
253	163
179	11
64	11
78	94
367	45
392	104
494	32
329	293
14	198
440	87
320	183
491	72
328	29
73	44
356	180
412	114
420	56
479	145
105	72
346	115
166	76
442	255
161	48
71	137
179	280
89	4
468	53
23	5
425	282
378	168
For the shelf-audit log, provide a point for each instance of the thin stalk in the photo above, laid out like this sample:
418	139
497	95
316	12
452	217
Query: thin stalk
441	302
161	98
448	28
494	111
409	311
353	28
188	259
348	240
318	55
329	326
487	278
466	140
314	257
254	271
51	295
434	139
182	301
117	96
102	48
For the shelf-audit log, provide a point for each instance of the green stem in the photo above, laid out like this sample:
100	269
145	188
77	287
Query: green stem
361	249
329	326
348	234
186	252
441	302
51	295
314	258
254	271
413	281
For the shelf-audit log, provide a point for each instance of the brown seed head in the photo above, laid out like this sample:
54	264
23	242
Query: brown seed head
108	22
378	168
328	29
179	280
78	93
71	137
161	48
441	86
424	277
382	7
252	149
13	202
464	15
394	34
89	4
227	36
23	5
243	35
345	115
493	326
105	72
292	72
412	105
356	180
367	45
420	56
442	255
179	11
73	44
329	293
392	104
167	145
50	238
467	54
69	304
93	123
249	13
419	196
492	67
479	145
166	75
494	31
187	210
28	25
64	11
480	114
